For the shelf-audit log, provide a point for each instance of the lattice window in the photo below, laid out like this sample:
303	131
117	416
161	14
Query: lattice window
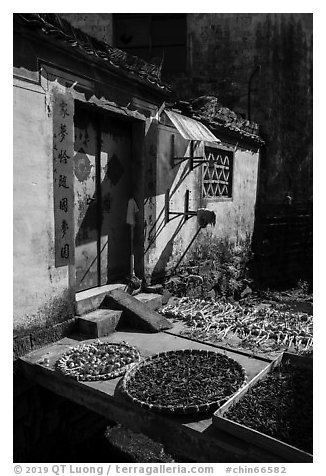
217	173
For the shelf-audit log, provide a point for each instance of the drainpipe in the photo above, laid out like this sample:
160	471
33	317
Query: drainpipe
258	68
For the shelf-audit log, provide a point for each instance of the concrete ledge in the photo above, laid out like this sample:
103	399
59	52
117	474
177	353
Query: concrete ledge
99	323
153	301
91	299
136	314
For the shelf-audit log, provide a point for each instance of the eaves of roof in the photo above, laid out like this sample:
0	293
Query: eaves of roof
113	58
244	134
209	111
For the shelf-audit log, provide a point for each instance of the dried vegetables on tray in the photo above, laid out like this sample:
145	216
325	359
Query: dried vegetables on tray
184	381
280	406
98	361
254	327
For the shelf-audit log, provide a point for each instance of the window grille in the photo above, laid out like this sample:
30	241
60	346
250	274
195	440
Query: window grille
217	173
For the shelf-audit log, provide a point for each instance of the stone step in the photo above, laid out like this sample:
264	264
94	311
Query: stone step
91	299
136	314
153	288
99	323
153	301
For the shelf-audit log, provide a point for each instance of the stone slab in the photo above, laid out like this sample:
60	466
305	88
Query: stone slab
136	314
153	301
99	323
91	299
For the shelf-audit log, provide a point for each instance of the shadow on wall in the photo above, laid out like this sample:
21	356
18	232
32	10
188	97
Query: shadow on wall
171	176
166	254
159	224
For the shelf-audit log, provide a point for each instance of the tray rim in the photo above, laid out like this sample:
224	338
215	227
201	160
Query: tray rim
181	409
260	439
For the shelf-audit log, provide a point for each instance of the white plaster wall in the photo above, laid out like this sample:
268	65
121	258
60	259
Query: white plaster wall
234	217
38	285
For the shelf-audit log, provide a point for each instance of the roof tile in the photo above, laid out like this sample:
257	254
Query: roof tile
51	24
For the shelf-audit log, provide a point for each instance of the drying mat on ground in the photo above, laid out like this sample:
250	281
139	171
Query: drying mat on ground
98	361
183	381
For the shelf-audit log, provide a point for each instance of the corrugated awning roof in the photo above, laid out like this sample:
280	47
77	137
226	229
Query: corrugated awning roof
191	129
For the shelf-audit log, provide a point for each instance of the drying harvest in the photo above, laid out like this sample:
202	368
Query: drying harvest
252	326
184	381
280	406
98	361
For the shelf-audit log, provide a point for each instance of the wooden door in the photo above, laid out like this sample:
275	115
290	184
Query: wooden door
115	190
102	165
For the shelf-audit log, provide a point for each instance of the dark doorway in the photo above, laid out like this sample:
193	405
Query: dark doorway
102	169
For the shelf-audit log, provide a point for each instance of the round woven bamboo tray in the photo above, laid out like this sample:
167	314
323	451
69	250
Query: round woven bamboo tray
220	377
98	361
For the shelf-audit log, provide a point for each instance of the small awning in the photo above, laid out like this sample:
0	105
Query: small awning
108	105
191	129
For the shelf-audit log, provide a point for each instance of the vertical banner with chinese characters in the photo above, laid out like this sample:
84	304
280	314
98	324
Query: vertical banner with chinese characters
63	190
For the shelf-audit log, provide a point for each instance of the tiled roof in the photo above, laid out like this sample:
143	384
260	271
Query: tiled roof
209	110
53	25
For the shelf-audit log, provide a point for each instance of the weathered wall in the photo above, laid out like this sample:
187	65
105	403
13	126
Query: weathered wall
235	218
166	243
40	290
224	50
43	294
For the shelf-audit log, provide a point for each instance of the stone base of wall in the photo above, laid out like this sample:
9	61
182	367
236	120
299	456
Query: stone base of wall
23	344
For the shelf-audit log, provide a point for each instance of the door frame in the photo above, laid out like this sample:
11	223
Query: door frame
137	173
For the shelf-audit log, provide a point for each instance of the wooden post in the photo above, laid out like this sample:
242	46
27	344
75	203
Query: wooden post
172	150
167	206
191	161
186	205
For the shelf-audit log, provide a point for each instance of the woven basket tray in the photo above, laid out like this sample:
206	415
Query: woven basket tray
214	359
98	361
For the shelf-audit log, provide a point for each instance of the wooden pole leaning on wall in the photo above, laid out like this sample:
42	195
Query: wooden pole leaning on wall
186	205
167	206
172	164
191	155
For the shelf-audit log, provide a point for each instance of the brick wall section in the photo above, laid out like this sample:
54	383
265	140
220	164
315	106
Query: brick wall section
47	427
283	245
38	337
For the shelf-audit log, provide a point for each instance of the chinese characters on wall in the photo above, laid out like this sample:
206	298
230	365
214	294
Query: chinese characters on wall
63	192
